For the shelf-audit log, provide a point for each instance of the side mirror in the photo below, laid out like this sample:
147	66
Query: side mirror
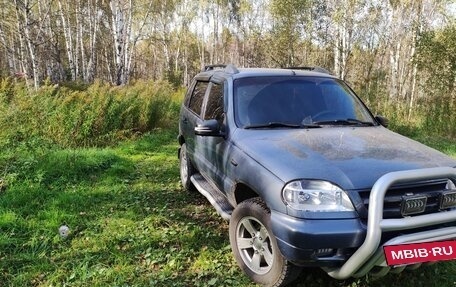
382	120
209	128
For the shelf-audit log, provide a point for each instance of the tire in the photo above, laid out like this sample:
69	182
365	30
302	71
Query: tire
255	247
186	169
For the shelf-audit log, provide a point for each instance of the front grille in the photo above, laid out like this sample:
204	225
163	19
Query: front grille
393	198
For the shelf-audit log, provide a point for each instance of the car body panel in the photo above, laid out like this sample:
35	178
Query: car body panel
351	157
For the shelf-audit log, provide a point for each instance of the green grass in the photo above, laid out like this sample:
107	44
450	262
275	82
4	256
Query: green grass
131	223
445	145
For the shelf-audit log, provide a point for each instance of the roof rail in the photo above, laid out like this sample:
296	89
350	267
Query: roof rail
314	69
230	68
213	67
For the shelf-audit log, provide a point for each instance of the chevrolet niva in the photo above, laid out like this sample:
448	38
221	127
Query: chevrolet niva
308	177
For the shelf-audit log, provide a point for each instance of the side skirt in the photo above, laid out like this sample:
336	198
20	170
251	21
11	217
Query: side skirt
214	195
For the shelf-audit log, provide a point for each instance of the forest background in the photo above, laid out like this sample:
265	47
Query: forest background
399	55
89	99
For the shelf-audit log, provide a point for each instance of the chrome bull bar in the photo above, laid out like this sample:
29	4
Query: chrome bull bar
370	253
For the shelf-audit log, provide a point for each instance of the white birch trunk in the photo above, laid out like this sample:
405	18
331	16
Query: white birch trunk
344	51
68	41
117	31
128	51
22	48
336	58
8	51
185	63
94	25
29	43
121	30
203	40
80	48
53	66
394	63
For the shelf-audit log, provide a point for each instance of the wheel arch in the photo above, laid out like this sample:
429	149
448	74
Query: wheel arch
181	139
243	192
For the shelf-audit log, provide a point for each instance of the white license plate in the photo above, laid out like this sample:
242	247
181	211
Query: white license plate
420	252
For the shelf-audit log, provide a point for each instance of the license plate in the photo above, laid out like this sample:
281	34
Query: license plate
420	252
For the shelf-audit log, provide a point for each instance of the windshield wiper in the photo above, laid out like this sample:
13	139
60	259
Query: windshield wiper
310	126
281	125
345	122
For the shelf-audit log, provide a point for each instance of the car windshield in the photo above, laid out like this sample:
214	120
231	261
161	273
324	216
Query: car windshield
295	101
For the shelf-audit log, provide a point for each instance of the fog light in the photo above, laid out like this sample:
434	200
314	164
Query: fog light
448	200
413	205
324	252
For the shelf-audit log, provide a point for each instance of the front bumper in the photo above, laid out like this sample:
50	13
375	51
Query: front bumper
359	248
300	240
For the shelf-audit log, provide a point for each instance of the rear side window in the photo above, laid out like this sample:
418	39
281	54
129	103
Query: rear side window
214	106
196	100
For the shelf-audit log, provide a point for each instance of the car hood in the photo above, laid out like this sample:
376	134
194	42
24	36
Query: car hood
351	157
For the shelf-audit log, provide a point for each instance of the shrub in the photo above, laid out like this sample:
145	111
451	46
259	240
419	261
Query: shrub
97	115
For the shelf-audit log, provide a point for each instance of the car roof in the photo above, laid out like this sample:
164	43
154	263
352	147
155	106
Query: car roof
221	72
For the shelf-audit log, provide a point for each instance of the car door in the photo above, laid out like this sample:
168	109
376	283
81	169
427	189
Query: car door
213	148
191	116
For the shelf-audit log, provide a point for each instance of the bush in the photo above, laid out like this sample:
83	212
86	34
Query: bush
97	115
440	118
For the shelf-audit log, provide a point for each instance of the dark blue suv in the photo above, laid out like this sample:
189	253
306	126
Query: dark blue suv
307	176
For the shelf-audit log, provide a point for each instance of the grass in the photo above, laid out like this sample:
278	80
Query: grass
131	224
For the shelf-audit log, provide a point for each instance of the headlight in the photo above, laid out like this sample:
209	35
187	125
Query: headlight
316	195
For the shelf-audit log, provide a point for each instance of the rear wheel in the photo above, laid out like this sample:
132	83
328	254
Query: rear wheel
255	247
186	169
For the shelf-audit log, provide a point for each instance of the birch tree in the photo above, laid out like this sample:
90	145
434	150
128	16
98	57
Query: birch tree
346	26
8	49
289	30
371	43
24	23
121	21
68	35
88	19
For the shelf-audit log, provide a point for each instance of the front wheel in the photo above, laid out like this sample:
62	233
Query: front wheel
255	247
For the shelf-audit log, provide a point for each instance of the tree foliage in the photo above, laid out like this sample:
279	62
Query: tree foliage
436	58
394	53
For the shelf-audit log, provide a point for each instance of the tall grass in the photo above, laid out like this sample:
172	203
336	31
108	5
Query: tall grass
81	116
434	117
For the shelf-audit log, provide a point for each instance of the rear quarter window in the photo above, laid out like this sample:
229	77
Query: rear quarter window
197	97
